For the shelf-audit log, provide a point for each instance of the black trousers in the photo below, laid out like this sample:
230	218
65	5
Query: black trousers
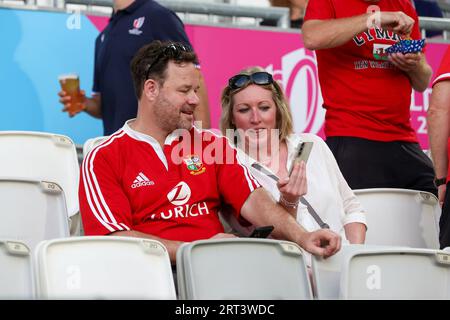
444	222
374	164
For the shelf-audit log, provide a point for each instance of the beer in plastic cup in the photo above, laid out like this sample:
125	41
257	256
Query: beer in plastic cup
70	83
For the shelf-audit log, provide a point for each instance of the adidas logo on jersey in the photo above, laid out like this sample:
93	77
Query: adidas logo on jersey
141	181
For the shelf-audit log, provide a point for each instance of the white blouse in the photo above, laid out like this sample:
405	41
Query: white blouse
328	192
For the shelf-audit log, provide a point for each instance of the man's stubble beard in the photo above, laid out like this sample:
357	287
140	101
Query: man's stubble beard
169	117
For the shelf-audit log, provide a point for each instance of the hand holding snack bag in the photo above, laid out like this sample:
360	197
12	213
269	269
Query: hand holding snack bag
407	46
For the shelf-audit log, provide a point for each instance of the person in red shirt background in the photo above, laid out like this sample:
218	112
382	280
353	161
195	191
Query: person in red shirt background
439	133
146	180
367	93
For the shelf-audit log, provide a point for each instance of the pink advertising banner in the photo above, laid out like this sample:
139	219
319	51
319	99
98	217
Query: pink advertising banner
225	51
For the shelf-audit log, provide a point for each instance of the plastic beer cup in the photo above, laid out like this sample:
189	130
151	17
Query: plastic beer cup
70	84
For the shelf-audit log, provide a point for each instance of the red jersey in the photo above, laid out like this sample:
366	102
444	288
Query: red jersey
130	183
365	95
443	73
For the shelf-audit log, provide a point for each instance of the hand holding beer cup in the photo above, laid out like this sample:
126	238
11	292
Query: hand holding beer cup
73	99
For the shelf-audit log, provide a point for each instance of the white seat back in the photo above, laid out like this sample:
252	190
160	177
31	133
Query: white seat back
16	276
103	267
42	156
400	217
242	269
394	273
381	272
32	211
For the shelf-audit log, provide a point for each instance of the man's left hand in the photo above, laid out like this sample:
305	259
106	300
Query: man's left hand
321	242
223	236
405	62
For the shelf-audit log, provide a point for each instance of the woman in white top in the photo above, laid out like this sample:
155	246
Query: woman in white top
255	114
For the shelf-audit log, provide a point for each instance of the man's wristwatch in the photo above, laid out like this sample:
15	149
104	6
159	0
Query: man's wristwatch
439	181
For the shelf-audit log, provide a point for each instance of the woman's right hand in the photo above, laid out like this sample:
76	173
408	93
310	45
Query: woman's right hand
295	186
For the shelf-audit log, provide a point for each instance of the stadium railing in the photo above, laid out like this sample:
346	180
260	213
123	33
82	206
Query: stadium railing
192	11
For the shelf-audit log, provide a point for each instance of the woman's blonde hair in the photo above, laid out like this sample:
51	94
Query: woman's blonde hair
283	114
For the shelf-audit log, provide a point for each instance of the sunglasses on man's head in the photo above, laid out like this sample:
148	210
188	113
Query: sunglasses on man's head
171	51
241	80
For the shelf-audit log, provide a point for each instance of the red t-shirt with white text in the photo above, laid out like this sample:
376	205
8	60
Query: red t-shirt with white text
365	95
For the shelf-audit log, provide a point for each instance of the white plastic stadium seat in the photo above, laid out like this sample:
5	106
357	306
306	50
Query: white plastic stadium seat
16	276
32	211
326	273
377	272
397	274
401	217
44	157
242	268
89	144
103	267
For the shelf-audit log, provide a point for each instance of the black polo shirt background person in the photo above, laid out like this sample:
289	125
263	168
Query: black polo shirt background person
133	24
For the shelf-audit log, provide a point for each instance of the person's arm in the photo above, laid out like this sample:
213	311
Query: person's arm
438	130
91	106
415	66
355	232
260	210
324	34
331	33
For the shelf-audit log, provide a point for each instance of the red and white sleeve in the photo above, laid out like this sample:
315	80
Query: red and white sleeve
104	206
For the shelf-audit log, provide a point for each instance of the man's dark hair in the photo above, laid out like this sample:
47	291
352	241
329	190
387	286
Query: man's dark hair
151	61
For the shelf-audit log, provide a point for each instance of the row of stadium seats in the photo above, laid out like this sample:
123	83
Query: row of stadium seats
39	202
130	268
86	268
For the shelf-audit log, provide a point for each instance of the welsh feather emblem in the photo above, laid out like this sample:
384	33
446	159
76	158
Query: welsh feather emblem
137	24
194	164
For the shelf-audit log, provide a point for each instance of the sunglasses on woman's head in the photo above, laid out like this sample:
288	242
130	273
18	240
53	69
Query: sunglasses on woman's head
172	51
241	80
